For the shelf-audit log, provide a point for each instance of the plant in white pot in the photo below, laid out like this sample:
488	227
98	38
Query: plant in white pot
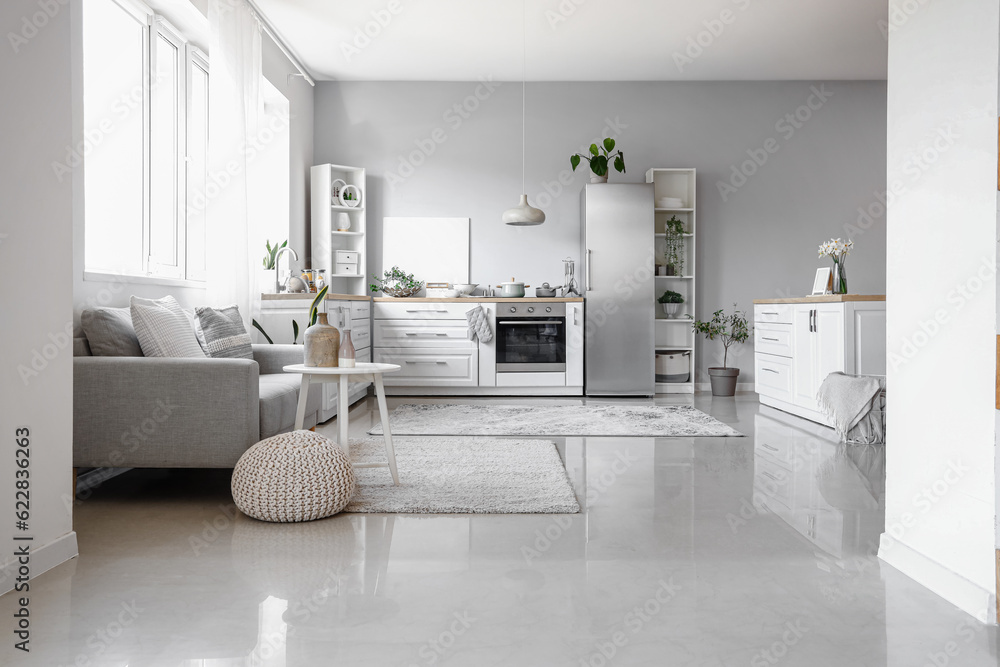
730	329
671	301
269	274
601	158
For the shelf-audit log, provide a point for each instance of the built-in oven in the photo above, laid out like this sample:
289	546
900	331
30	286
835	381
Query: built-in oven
531	338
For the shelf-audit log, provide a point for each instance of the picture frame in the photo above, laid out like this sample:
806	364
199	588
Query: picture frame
823	282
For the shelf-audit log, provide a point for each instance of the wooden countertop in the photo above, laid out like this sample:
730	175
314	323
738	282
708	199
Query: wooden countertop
826	298
309	296
480	299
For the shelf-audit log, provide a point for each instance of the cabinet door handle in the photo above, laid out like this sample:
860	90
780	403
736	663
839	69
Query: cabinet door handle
589	288
576	320
812	321
769	475
771	370
766	338
769	312
414	333
767	446
428	310
440	363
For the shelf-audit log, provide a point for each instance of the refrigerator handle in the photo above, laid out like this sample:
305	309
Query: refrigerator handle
587	271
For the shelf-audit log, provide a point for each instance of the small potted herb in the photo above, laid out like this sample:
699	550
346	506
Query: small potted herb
671	301
730	329
599	159
396	283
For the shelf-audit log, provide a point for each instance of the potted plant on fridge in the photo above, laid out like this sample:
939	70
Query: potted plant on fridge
730	329
671	301
599	159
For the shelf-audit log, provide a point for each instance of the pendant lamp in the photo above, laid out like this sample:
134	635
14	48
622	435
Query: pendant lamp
524	214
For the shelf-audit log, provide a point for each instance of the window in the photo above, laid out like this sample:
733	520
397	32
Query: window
145	101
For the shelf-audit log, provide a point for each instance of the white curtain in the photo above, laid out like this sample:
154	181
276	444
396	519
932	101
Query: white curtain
236	104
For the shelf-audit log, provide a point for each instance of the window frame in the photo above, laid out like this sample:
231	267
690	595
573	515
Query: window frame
180	273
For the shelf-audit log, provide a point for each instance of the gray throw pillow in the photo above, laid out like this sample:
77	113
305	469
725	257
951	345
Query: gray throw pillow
163	329
110	333
224	331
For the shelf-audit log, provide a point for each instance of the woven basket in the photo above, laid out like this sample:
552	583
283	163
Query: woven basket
401	292
297	476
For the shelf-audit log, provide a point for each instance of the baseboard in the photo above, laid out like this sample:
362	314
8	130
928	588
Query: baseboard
741	387
43	559
956	589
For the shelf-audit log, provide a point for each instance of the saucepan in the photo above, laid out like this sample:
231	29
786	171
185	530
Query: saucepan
546	291
512	290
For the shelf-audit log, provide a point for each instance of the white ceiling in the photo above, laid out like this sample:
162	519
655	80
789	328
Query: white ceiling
586	40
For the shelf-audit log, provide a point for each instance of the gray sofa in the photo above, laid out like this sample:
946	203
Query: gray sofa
145	412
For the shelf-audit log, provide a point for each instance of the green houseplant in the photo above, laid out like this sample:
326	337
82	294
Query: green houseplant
731	329
600	158
671	301
673	254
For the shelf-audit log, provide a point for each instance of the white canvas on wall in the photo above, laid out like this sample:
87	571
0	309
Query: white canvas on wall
432	249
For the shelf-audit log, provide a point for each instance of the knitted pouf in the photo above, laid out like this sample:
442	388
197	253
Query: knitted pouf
297	476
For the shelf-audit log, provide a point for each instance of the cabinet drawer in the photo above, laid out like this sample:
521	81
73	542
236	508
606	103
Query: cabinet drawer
773	312
361	337
773	339
363	355
361	310
385	310
773	376
431	367
422	333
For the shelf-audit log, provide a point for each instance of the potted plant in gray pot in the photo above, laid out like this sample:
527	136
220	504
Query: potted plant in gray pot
730	329
670	301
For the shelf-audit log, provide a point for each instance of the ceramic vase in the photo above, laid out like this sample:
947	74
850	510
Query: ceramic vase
322	343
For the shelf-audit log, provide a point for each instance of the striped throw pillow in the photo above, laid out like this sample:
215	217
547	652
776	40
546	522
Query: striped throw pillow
224	331
163	329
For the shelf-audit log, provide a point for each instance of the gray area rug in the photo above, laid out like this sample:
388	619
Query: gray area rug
463	476
663	421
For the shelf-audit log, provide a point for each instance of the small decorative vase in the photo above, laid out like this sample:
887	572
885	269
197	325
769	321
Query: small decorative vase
594	178
343	222
322	343
839	278
661	270
670	309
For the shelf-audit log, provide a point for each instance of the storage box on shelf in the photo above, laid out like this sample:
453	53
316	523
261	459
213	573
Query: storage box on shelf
674	337
799	341
339	229
278	312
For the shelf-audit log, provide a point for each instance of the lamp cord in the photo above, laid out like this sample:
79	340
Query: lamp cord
524	58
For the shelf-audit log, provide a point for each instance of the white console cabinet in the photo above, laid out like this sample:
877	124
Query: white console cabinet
798	342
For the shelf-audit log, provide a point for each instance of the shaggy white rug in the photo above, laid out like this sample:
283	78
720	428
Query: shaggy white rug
463	476
664	421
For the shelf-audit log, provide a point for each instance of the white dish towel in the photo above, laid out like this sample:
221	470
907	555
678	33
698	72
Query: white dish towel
479	325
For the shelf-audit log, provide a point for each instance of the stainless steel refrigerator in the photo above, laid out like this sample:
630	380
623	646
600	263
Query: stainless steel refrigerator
618	270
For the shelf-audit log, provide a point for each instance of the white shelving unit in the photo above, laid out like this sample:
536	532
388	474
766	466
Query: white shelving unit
328	215
675	335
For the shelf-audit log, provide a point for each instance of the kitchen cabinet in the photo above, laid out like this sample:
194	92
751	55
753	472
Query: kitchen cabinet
278	311
798	342
428	338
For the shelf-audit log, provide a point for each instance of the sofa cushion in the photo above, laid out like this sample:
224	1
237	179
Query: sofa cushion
279	398
110	333
224	332
163	329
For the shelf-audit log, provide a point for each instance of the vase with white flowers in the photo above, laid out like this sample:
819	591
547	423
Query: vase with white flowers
838	251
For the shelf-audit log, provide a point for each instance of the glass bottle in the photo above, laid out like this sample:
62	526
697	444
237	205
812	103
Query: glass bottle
348	356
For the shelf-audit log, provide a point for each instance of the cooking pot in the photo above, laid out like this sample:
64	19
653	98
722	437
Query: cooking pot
546	291
512	290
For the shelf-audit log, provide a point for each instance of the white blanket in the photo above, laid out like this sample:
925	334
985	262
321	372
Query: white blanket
479	325
846	399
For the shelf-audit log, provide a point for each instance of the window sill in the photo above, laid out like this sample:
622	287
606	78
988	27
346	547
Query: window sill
94	276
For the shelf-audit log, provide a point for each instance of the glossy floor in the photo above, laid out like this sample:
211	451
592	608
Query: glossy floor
690	551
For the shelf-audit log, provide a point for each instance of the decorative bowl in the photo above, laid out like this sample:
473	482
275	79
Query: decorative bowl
401	292
465	289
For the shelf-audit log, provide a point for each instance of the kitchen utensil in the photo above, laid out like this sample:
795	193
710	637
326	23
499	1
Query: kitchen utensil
512	290
571	287
465	289
545	291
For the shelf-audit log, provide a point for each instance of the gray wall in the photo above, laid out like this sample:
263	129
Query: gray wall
760	242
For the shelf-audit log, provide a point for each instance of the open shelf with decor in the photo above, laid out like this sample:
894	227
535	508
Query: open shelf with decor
674	242
339	226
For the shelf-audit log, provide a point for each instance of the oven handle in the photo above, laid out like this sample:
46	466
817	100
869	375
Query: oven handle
531	322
